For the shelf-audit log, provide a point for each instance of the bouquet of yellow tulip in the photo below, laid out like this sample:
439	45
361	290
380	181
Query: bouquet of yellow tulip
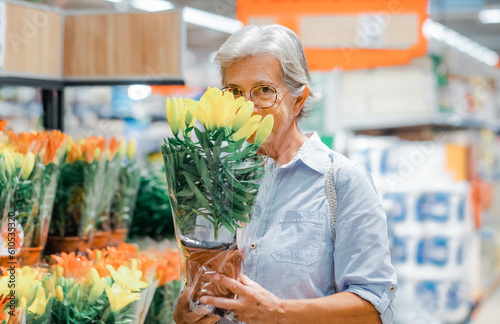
98	299
125	194
29	300
213	177
78	194
40	298
124	264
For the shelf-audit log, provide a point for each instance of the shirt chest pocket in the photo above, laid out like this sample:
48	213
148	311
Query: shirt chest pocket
298	236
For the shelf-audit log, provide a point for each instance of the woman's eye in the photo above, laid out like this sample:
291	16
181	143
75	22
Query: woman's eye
235	92
265	89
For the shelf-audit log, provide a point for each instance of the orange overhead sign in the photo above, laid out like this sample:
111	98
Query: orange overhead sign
347	34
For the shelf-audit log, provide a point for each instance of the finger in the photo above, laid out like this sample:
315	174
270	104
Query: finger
225	303
231	284
247	281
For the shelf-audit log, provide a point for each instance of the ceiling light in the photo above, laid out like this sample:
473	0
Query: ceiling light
489	16
210	20
152	5
437	31
114	1
138	92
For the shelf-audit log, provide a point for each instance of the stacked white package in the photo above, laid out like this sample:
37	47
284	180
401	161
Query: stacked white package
429	225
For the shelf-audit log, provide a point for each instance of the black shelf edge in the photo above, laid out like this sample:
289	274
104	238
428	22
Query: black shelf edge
59	84
28	82
118	82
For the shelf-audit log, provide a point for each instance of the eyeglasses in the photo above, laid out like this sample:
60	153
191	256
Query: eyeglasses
263	96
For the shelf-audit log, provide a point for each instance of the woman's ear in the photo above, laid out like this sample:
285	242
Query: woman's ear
301	99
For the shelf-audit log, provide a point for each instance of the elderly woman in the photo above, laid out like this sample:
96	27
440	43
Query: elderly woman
305	261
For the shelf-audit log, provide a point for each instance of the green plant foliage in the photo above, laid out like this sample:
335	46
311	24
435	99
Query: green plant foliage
214	176
152	216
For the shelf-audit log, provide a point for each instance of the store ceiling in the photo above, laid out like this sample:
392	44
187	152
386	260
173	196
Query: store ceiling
460	15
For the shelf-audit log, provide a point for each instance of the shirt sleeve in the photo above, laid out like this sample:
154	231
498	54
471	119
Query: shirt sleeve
361	255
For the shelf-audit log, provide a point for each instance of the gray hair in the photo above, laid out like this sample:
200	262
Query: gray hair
274	40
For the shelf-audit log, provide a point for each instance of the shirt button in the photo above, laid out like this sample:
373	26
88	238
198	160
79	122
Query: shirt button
252	246
392	288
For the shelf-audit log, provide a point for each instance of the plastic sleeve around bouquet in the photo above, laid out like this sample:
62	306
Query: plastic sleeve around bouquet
50	171
21	202
78	194
125	195
212	188
213	176
110	173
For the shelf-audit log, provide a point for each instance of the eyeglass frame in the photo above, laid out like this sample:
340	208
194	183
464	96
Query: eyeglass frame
242	94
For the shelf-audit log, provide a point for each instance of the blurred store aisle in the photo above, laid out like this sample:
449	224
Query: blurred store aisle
489	313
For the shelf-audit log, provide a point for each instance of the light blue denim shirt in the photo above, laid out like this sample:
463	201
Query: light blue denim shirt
289	240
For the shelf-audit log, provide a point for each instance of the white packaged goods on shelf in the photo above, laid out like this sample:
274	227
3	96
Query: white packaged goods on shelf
429	225
431	301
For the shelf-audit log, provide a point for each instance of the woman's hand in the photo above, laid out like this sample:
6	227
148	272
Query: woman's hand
183	315
254	304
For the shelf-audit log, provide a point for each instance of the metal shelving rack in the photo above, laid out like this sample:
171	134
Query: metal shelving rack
52	93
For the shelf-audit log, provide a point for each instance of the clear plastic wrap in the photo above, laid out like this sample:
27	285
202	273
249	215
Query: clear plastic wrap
213	175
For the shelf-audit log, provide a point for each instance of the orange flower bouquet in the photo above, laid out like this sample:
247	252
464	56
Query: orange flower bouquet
78	195
111	163
125	194
30	170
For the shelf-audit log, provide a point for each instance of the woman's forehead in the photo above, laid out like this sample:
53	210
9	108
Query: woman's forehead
253	70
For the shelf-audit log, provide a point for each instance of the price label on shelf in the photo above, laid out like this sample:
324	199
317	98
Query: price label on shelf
3	33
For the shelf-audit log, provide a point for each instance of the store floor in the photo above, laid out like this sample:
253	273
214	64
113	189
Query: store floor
489	313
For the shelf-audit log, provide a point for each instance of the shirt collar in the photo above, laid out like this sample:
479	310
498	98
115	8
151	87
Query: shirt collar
313	153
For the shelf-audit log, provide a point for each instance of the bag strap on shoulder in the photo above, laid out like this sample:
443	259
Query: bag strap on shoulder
331	195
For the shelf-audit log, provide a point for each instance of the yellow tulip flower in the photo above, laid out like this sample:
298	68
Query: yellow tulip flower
59	271
173	115
97	154
127	278
27	168
96	285
19	160
248	128
39	303
122	150
131	149
264	130
190	120
9	159
97	290
242	116
235	107
23	302
120	297
27	282
91	277
49	285
59	293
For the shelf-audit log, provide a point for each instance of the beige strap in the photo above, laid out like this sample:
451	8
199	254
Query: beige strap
331	195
